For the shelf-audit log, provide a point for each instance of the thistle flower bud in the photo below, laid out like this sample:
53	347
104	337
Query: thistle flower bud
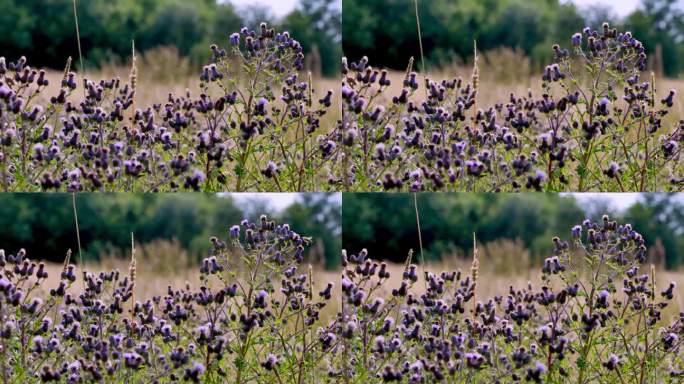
670	340
48	375
5	285
195	372
613	170
271	362
327	292
235	39
552	265
132	360
349	329
669	292
576	231
535	374
380	151
612	362
670	148
260	299
390	375
602	107
260	107
668	100
577	39
536	180
70	81
411	81
327	99
602	299
474	360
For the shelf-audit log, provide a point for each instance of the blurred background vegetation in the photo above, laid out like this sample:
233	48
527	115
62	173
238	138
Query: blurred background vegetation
513	230
180	224
385	30
44	30
510	228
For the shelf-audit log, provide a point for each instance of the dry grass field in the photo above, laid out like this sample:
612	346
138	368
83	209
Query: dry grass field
493	283
162	264
162	71
498	79
506	70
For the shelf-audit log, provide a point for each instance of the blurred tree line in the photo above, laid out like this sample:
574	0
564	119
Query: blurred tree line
44	224
44	30
449	27
385	224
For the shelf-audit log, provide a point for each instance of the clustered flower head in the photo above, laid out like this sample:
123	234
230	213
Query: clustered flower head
255	315
594	313
597	125
254	112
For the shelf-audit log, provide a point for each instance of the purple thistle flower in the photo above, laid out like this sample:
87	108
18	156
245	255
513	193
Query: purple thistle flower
577	231
235	39
271	362
235	231
474	360
577	39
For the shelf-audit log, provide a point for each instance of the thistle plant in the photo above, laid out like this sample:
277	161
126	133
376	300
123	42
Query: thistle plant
256	125
254	319
598	125
594	316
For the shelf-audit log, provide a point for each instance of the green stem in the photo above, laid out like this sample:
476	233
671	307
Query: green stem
585	161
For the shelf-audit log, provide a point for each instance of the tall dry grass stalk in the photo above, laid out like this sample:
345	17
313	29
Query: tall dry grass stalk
133	78
474	274
475	79
78	42
67	259
653	281
78	236
420	45
67	69
420	237
409	67
132	270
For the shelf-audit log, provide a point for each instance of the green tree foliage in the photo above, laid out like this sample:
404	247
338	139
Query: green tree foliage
318	23
44	30
319	215
43	223
449	28
385	224
661	22
660	216
533	26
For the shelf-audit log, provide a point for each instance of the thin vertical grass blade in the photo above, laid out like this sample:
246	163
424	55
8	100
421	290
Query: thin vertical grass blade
420	45
78	41
474	273
78	237
420	237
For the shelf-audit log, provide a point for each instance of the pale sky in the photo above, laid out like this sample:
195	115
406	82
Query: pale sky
278	201
278	7
282	7
621	201
621	7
